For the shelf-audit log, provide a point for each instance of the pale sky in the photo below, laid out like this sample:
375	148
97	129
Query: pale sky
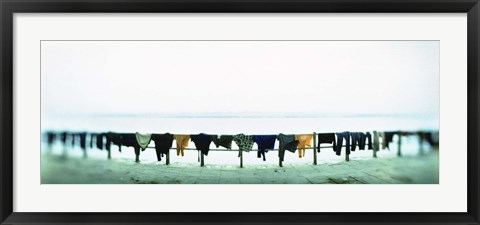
190	77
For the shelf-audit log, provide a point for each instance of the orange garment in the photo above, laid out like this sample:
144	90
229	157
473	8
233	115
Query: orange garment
304	141
182	142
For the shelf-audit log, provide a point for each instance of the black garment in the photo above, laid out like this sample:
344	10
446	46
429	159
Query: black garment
264	142
63	137
340	136
121	139
163	143
83	141
129	140
99	141
92	137
202	142
326	138
224	141
389	137
108	143
73	136
429	137
50	138
114	138
286	142
362	141
355	140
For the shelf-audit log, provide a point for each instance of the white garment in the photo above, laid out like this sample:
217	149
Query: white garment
143	140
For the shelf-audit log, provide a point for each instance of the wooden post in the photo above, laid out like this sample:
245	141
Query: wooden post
241	158
347	156
168	158
137	159
201	160
399	153
109	154
374	152
314	148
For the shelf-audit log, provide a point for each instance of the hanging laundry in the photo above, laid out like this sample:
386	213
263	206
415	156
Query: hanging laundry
163	143
264	143
340	136
363	140
182	142
113	138
92	137
304	141
432	138
376	141
73	136
143	140
99	141
50	138
130	140
286	142
355	140
223	140
63	137
107	142
83	141
427	136
244	142
202	142
326	138
389	138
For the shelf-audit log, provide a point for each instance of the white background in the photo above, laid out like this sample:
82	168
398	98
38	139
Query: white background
449	29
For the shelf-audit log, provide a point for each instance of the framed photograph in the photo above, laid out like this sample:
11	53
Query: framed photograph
196	112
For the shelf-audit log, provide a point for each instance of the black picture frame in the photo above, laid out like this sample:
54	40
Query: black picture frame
9	7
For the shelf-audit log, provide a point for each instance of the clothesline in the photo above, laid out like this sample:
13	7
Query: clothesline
357	138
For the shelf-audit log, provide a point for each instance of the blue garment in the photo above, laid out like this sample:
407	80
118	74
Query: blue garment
340	136
264	142
356	139
362	141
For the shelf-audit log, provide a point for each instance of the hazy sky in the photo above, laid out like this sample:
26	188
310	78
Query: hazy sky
327	77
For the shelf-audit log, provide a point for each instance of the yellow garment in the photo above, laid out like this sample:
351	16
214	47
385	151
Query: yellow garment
304	141
182	142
